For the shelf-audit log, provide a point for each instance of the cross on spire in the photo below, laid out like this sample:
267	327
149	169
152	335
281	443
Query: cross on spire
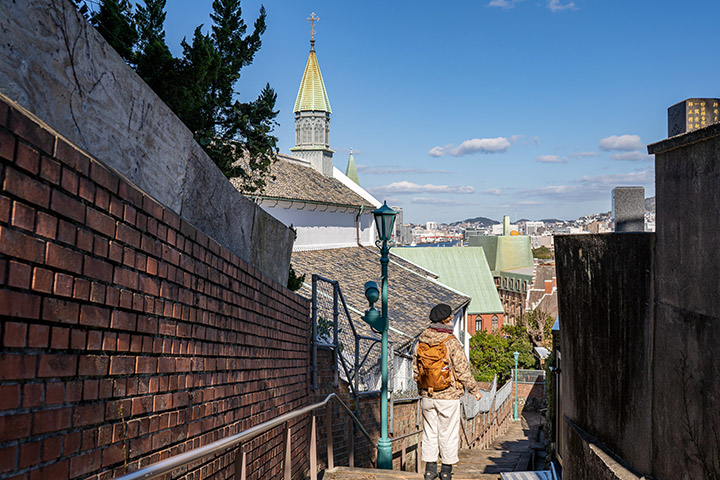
312	19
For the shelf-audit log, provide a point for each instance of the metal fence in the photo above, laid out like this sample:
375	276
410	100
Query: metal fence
530	376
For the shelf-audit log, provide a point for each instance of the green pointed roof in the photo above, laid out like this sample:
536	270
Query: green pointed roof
505	252
351	171
312	95
465	269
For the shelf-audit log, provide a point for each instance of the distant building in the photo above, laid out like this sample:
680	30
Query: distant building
430	226
533	228
511	262
537	241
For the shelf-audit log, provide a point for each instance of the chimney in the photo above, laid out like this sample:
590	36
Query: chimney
506	225
548	286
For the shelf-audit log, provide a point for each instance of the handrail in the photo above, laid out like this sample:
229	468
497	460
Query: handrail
172	463
395	439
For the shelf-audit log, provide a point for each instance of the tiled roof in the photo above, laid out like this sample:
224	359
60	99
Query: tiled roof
464	269
296	180
410	296
312	95
543	272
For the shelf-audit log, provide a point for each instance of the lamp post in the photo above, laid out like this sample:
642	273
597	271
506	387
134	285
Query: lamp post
515	413
384	222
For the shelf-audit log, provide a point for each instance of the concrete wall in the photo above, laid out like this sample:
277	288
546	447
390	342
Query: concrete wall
58	67
126	334
606	311
686	365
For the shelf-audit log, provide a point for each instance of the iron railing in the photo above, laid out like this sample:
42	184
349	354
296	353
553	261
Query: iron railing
530	376
178	461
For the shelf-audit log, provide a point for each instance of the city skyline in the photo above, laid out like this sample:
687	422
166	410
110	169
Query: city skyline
533	109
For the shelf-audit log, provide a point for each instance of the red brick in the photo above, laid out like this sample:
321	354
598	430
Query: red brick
129	257
54	393
112	455
100	222
86	190
53	470
3	264
20	275
128	235
16	244
50	170
72	157
162	402
94	316
77	339
123	342
90	391
46	225
97	293
29	454
122	365
56	310
93	365
84	464
27	158
5	207
102	199
60	338
33	395
27	129
67	206
27	188
116	252
66	232
63	285
100	246
146	365
42	280
130	214
125	278
141	405
109	341
57	366
84	240
8	456
63	258
73	391
81	290
15	334
69	181
14	427
128	192
89	414
23	216
94	340
7	145
39	336
52	448
98	269
9	397
116	207
104	177
18	304
53	420
123	320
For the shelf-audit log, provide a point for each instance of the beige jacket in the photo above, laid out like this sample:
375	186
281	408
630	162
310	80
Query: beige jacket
463	378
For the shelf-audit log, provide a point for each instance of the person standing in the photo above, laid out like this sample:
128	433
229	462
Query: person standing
442	373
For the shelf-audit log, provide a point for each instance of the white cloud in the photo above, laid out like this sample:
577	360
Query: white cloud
556	6
515	138
409	187
633	156
528	203
483	145
594	187
384	170
492	191
438	201
536	139
582	155
551	159
622	143
503	3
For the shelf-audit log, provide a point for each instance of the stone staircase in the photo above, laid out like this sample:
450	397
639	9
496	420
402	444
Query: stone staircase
513	451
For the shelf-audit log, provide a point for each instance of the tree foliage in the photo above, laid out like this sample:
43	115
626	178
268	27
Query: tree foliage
539	327
492	353
542	253
200	86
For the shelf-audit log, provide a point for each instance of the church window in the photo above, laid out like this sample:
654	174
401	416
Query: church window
478	323
494	322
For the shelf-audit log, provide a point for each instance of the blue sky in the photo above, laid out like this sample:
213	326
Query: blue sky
530	108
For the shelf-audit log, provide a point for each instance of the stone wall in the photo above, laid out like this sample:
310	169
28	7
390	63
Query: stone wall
127	334
58	67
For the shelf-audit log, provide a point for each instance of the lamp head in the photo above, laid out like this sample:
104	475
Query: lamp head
516	355
384	222
372	292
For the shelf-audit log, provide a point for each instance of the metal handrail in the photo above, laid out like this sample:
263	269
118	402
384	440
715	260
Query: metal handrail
168	465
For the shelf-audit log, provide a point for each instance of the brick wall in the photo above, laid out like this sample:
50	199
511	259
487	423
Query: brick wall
128	335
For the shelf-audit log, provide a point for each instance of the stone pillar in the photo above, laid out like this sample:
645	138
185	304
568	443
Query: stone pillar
628	209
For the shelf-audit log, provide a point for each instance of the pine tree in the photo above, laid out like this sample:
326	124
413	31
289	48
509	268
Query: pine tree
200	86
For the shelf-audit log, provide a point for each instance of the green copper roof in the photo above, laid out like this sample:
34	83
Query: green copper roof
312	95
462	268
351	171
504	252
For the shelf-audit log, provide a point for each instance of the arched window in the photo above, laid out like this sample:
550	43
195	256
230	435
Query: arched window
494	323
478	323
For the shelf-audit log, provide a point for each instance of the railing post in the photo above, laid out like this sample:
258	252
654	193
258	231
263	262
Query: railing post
329	435
402	456
313	450
288	453
240	465
351	446
418	454
336	367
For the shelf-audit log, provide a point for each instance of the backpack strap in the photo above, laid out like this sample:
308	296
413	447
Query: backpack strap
450	362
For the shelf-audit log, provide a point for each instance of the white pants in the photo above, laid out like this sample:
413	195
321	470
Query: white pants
441	430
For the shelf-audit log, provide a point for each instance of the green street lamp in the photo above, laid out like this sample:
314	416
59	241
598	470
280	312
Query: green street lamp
516	355
384	222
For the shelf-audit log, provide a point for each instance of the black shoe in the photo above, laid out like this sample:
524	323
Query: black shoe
430	476
446	472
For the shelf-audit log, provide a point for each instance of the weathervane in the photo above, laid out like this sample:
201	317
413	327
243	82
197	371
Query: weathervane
312	19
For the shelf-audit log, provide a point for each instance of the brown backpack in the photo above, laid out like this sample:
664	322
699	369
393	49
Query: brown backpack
433	363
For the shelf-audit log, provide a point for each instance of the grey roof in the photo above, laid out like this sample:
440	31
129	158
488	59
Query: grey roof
543	272
411	295
296	180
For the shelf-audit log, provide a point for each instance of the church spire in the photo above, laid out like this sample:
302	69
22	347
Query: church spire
351	171
312	114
